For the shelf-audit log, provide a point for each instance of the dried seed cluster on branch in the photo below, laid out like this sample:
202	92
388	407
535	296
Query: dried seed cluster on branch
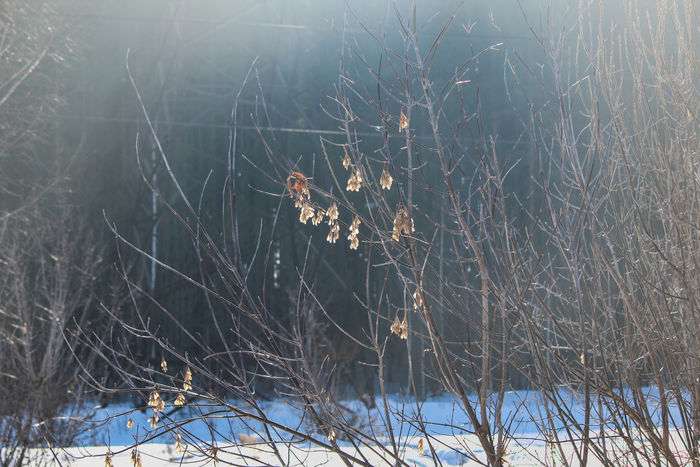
306	212
318	217
418	301
355	181
298	187
400	328
334	230
403	224
386	180
332	213
155	402
354	232
347	162
136	458
333	233
187	380
180	447
403	122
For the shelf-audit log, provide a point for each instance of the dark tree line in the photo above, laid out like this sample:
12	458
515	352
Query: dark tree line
190	66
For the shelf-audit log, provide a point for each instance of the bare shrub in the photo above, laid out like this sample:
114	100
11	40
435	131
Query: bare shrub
583	285
50	266
611	314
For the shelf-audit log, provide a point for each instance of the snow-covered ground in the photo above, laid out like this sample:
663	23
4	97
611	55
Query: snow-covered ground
522	451
239	441
447	449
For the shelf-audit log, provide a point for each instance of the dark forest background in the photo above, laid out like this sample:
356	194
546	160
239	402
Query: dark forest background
189	61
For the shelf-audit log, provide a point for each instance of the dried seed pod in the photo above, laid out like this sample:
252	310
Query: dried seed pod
298	185
306	212
332	213
404	329
154	400
403	224
179	400
396	326
187	380
333	233
136	458
163	365
354	182
354	232
386	180
347	162
180	447
418	301
318	217
403	122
